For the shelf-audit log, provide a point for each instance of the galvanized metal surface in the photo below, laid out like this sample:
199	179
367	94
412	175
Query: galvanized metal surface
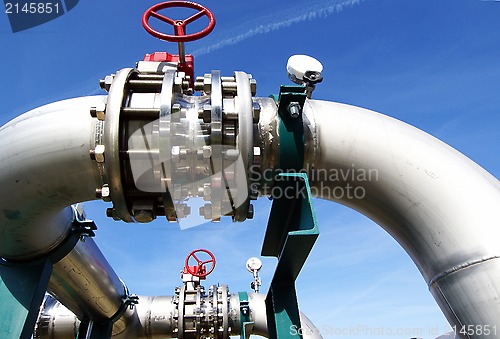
44	157
86	284
438	204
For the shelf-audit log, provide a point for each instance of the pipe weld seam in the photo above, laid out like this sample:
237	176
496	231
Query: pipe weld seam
460	267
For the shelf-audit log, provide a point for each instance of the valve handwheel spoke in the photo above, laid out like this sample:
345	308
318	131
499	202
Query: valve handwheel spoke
201	270
162	18
179	25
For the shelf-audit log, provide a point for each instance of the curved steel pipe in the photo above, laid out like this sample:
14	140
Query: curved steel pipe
44	167
440	206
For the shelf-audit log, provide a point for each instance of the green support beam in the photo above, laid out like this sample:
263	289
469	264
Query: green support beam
290	236
245	323
22	288
292	229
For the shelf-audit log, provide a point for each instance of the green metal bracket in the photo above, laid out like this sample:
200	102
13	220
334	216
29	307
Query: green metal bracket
245	323
292	229
22	288
291	129
290	236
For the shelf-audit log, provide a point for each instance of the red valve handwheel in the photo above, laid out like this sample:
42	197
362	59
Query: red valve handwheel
179	25
201	273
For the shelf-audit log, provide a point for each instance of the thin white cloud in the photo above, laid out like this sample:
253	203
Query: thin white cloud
277	21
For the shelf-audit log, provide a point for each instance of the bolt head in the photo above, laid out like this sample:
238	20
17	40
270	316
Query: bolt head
250	212
176	108
177	192
207	83
176	152
100	111
207	192
106	83
294	109
105	193
256	112
99	153
207	151
143	216
207	113
253	86
206	211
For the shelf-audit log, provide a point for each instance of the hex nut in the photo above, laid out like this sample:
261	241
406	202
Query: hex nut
143	216
101	111
176	108
250	212
253	86
206	211
207	192
256	112
177	192
207	151
207	83
294	109
207	113
105	193
99	153
106	82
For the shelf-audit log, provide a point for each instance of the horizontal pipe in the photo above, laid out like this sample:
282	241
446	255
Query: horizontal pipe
440	206
155	318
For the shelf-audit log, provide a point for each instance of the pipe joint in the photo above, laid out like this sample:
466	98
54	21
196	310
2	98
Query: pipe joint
156	144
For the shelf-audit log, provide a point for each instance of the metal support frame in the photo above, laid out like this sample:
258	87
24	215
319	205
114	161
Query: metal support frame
292	229
291	129
290	236
246	325
22	288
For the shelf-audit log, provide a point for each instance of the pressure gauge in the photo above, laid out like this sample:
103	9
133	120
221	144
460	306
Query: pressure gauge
254	265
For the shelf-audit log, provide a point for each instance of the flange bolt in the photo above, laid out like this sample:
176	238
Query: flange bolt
294	109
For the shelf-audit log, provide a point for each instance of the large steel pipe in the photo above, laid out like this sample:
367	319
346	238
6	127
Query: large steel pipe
156	319
439	205
44	167
85	273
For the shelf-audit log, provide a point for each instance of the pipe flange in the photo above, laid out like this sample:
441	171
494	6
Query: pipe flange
216	143
244	142
112	138
165	143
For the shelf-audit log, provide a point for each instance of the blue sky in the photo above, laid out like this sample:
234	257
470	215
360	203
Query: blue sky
433	64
